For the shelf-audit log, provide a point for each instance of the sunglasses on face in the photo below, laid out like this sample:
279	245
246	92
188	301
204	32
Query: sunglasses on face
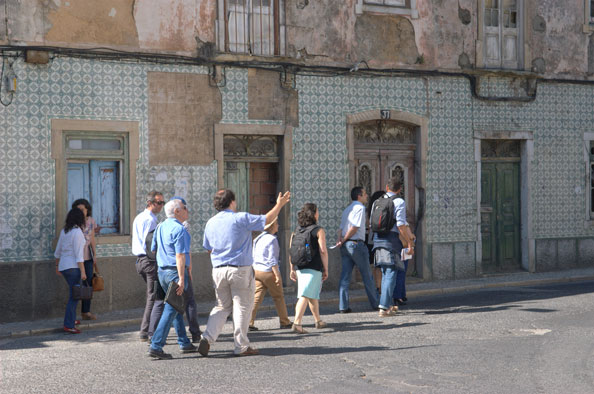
159	202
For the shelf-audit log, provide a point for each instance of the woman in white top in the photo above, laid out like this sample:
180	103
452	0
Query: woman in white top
69	262
88	252
268	276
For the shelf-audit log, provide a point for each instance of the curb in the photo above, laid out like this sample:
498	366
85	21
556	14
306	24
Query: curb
417	293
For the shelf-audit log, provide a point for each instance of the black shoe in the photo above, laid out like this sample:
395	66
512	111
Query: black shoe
144	338
253	328
286	326
160	354
348	310
399	302
196	338
203	347
189	348
404	299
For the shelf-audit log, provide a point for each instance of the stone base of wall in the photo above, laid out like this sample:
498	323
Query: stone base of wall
566	253
33	290
453	260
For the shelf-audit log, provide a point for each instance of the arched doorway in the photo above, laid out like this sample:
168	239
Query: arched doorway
386	143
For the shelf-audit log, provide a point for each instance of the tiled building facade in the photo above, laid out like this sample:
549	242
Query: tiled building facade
452	116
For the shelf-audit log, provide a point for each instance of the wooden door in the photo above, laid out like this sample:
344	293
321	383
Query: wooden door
500	216
375	166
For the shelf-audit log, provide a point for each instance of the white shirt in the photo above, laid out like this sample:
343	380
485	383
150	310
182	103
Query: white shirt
265	252
354	216
143	224
70	249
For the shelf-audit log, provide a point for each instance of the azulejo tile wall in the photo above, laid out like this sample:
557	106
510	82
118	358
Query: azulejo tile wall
107	90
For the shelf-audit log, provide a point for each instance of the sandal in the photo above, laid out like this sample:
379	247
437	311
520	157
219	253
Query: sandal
298	328
321	324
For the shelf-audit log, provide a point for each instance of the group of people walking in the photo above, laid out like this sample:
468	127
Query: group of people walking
243	268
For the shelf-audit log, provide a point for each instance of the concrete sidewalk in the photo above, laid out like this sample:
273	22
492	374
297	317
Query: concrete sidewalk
414	289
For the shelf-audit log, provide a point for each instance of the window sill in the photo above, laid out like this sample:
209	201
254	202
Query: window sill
381	9
588	27
589	223
113	239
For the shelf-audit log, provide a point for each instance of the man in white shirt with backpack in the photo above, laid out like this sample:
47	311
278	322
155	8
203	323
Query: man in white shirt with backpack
390	231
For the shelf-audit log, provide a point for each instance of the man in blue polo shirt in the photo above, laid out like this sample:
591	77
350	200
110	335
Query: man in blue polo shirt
172	243
228	239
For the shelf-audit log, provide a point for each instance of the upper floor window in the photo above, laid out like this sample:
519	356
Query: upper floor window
502	27
398	7
254	27
588	16
591	183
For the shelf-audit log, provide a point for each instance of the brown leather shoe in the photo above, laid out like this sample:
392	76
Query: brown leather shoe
89	316
250	351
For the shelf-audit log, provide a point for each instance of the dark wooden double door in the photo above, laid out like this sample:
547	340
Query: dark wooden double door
500	216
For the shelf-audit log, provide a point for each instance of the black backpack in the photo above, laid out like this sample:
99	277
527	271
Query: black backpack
382	214
302	253
147	246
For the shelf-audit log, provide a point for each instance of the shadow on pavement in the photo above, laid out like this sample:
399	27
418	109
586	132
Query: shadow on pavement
493	300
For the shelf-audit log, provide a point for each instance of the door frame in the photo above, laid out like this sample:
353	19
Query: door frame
421	125
527	242
285	133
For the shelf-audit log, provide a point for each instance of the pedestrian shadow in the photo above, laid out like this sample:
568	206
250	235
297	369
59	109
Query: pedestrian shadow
495	300
371	325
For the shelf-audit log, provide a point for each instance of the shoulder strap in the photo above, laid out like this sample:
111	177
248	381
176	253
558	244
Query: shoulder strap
258	237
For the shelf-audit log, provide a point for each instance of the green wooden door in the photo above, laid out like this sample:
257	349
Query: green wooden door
500	216
237	179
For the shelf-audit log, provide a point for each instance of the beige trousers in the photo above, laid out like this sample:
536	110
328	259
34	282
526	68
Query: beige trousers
234	290
266	281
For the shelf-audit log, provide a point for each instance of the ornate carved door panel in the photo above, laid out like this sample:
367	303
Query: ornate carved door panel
384	149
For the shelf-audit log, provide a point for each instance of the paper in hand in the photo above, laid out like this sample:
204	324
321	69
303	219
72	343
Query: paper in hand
404	255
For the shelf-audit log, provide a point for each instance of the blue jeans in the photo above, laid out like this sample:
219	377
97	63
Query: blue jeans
86	304
355	254
388	281
72	277
400	285
170	315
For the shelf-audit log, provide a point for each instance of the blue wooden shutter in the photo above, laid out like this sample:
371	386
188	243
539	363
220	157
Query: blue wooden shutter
78	182
105	195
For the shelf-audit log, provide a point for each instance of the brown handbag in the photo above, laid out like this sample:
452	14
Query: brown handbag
98	283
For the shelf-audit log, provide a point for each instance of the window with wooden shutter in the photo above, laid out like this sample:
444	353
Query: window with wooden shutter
502	32
254	27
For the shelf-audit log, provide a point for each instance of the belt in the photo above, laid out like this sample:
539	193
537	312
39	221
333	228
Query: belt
227	265
141	255
169	267
354	240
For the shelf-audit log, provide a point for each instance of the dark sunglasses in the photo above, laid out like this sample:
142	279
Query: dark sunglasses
159	202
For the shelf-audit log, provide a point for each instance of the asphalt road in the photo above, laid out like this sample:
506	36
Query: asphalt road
536	339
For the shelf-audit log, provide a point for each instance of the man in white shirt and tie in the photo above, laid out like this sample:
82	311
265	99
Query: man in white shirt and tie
353	250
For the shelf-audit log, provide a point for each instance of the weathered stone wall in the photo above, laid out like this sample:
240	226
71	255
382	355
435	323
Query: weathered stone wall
444	36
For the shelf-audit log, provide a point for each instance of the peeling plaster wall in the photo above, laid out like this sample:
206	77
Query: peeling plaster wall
441	36
88	22
563	45
175	24
444	36
320	30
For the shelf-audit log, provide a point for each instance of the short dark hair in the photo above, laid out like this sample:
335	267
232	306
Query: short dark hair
394	184
86	203
307	214
74	218
374	196
356	192
223	198
150	197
